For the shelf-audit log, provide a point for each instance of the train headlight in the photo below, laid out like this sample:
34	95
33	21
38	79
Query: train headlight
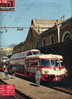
46	72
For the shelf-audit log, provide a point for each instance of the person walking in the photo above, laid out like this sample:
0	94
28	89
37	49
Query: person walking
37	77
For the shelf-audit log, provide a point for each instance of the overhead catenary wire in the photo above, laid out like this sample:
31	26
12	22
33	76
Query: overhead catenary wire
21	27
28	27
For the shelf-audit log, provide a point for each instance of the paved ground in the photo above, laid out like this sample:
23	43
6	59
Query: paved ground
31	90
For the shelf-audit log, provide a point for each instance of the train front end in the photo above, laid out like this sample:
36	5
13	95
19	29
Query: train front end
52	68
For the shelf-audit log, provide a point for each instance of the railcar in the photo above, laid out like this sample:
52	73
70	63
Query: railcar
51	66
3	61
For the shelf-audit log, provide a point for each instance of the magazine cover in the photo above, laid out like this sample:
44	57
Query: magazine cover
35	49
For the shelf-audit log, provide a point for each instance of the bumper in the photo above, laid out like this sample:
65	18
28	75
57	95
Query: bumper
52	77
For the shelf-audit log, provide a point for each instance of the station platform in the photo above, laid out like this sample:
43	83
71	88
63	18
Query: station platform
33	92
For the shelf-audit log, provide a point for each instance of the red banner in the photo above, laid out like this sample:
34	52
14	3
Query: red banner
7	90
3	1
7	5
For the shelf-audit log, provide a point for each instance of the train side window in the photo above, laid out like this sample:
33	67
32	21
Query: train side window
19	68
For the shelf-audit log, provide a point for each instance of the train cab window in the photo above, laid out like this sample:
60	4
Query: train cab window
44	62
52	62
56	63
62	63
29	53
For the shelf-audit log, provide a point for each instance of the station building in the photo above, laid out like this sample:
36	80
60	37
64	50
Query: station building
39	35
45	33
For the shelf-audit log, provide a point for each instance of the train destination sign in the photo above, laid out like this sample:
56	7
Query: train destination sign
7	5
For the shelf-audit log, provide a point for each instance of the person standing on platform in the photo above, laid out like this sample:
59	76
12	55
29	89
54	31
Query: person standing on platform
37	77
5	72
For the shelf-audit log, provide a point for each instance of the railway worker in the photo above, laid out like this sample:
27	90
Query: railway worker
37	77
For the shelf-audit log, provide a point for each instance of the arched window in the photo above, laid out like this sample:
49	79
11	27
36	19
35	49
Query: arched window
66	36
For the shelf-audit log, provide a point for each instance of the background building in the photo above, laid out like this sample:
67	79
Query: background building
39	35
6	51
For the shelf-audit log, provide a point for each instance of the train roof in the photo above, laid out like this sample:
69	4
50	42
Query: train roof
27	51
24	54
51	56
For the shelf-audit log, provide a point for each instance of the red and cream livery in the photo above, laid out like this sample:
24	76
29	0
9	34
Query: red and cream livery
50	66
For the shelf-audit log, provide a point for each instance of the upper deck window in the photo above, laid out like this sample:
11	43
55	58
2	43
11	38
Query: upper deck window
35	52
29	53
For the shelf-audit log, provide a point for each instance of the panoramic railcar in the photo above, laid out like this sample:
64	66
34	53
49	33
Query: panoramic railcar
51	66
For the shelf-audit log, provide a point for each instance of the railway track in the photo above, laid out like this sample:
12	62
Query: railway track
65	86
62	89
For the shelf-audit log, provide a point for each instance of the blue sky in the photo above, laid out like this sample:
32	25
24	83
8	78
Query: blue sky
26	10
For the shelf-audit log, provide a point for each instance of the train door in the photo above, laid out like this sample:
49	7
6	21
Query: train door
27	65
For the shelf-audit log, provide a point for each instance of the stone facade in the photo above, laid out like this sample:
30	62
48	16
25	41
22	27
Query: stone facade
66	30
41	33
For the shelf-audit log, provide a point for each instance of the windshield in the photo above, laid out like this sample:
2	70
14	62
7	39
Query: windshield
48	63
56	63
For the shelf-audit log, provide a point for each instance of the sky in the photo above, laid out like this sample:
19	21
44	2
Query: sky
26	10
